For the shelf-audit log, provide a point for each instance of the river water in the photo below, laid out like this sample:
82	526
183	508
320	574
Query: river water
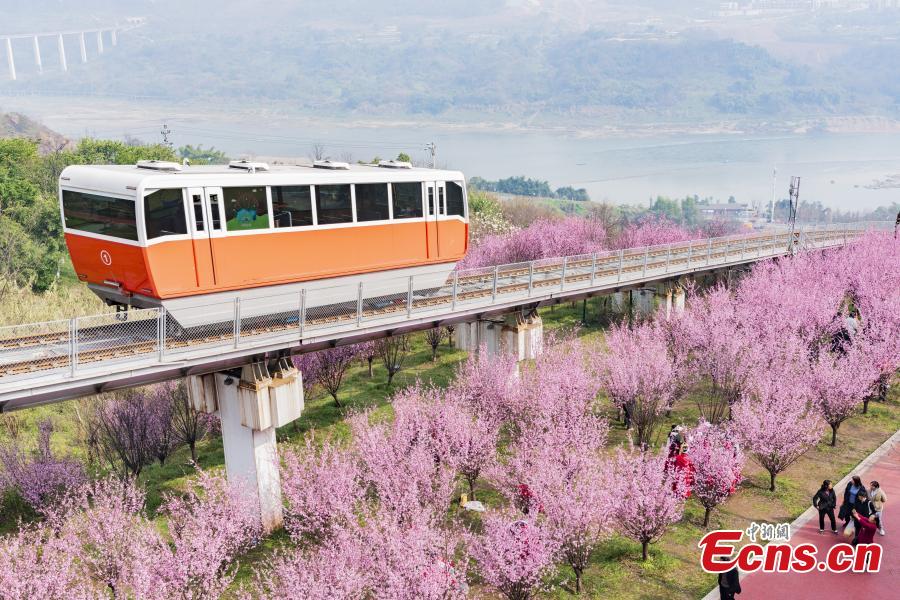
837	169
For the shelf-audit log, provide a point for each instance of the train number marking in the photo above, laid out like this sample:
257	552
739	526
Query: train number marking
105	258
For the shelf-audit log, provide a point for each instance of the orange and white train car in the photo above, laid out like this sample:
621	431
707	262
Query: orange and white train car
191	237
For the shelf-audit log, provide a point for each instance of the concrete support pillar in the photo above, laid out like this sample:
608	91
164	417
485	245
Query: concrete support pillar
666	293
250	408
61	48
82	47
113	37
521	336
37	54
620	302
99	42
10	61
678	299
643	302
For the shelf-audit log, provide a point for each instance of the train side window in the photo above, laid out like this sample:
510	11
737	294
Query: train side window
407	200
442	203
334	204
103	215
455	203
372	202
164	213
292	205
216	217
430	201
246	208
197	202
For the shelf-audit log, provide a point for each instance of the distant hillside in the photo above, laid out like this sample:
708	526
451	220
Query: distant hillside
18	125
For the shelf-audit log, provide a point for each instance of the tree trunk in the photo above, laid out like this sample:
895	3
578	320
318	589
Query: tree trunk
771	481
336	401
644	546
577	581
865	406
370	359
193	447
834	429
433	353
471	483
706	517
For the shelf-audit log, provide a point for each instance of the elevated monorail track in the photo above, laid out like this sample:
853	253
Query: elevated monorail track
44	362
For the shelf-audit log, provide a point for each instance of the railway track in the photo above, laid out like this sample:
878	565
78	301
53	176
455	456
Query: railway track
123	340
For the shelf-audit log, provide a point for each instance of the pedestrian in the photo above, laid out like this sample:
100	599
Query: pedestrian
825	501
865	529
729	584
878	498
850	493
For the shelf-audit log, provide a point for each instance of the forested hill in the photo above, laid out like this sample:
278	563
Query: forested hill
485	59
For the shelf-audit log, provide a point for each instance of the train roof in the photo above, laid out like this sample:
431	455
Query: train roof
126	179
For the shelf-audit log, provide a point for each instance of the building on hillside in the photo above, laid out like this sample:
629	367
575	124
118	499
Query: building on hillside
731	211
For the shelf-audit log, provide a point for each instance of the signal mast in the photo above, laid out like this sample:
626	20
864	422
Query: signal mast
794	192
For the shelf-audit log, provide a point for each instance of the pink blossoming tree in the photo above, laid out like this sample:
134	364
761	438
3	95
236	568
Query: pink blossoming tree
322	487
638	376
718	461
777	422
649	497
42	478
514	554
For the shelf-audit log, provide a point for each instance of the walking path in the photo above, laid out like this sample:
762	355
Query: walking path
883	466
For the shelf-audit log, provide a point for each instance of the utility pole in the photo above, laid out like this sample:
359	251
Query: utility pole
794	192
433	149
165	135
774	193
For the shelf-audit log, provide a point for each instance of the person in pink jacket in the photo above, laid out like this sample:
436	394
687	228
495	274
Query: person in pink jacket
867	528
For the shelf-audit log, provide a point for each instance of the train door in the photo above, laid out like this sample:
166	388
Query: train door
443	225
202	223
431	219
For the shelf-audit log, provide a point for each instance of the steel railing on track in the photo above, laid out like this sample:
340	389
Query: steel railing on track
86	346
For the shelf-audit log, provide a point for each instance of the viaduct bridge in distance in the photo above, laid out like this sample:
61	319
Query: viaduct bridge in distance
13	43
237	362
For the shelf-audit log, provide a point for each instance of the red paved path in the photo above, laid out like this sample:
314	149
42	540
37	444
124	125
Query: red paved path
846	586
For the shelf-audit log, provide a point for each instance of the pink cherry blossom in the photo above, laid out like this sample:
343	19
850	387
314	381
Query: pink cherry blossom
514	554
649	497
638	376
776	421
322	487
718	461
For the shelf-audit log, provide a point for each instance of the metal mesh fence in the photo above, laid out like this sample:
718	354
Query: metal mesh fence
474	285
386	299
35	348
432	294
199	327
513	279
331	307
269	317
546	273
124	336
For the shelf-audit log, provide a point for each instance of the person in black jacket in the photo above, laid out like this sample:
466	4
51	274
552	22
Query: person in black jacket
825	501
863	507
850	492
729	584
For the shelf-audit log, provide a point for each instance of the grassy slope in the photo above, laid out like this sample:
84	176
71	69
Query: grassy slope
616	569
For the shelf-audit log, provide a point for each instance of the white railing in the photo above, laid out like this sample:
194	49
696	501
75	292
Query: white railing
118	341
